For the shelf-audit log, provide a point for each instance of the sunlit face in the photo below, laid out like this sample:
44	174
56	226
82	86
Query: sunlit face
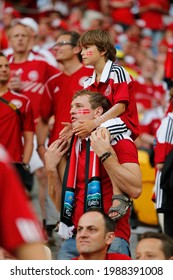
19	38
90	55
149	249
81	110
63	49
4	70
91	237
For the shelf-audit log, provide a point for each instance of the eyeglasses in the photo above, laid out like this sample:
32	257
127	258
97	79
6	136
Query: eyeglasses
62	43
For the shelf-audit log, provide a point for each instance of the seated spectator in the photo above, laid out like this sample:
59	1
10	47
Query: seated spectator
154	246
95	232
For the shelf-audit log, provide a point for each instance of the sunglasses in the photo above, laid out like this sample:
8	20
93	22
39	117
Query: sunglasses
62	43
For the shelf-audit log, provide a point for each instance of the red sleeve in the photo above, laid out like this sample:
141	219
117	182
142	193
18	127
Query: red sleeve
18	222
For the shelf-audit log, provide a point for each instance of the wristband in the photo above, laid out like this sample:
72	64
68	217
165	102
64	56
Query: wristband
104	156
26	166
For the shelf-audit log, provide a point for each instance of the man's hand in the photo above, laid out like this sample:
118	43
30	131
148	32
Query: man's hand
15	83
85	128
54	154
100	141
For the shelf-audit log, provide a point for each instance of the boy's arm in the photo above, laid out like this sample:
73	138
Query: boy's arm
86	127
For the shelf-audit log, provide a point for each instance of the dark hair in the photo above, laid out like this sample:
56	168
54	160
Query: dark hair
167	242
109	223
1	54
74	40
96	99
102	40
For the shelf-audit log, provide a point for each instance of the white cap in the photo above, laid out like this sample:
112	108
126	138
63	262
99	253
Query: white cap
29	22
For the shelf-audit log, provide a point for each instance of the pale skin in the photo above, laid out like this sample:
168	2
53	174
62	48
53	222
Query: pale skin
91	240
125	178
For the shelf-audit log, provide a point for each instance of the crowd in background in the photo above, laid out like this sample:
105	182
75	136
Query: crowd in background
141	30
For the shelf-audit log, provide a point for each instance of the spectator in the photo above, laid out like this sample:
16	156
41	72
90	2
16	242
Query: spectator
112	80
154	10
60	88
113	174
33	72
121	12
16	121
154	246
95	232
21	234
163	163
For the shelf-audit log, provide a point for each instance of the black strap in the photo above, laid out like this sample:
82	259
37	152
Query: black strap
11	105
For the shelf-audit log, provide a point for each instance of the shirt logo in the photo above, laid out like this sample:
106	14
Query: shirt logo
107	91
33	75
17	103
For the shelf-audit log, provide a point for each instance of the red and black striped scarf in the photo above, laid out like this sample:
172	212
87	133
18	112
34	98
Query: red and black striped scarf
93	192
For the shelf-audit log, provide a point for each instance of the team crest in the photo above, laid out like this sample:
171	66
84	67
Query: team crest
107	91
33	76
17	103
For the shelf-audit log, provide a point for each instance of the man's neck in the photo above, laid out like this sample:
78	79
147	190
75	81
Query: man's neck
93	256
20	57
70	67
3	89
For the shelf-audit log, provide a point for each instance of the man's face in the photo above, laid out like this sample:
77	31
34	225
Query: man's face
19	38
81	110
91	237
149	249
63	49
4	70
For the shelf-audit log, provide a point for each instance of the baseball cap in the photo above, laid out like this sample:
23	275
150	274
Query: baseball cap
27	21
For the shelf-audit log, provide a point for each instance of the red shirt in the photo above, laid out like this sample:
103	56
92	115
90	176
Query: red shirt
124	155
117	85
12	124
34	74
57	97
122	15
154	17
149	95
18	223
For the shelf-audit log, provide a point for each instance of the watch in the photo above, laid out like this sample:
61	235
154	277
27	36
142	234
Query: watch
26	166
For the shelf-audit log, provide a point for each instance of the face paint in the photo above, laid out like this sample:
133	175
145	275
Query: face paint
89	53
83	111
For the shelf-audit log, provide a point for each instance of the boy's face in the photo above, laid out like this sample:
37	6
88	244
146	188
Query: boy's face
91	55
81	110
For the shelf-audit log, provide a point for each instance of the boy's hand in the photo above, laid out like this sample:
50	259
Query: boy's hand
85	128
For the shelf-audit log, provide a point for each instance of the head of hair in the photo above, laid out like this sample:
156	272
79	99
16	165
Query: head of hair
96	99
102	40
74	40
108	222
1	54
167	241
